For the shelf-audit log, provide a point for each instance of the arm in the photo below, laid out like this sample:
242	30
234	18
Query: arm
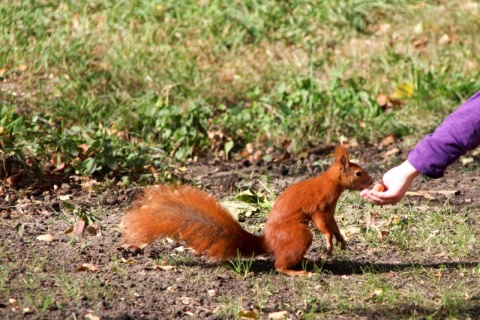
458	133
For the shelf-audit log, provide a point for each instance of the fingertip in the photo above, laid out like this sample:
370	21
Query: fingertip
374	193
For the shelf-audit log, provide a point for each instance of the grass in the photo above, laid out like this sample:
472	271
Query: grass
120	87
380	286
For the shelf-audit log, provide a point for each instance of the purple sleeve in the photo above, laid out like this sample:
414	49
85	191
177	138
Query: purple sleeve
458	133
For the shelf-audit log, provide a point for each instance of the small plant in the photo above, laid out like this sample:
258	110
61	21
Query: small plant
85	220
241	266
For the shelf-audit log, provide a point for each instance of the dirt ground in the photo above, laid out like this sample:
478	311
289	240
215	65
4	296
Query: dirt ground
90	276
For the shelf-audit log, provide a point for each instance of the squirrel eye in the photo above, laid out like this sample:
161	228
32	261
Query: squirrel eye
358	173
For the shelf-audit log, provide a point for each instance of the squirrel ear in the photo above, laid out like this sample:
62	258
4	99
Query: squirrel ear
341	155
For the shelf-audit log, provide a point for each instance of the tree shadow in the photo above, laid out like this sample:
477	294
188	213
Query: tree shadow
465	309
263	265
353	267
347	268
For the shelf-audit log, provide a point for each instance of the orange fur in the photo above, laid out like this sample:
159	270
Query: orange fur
193	216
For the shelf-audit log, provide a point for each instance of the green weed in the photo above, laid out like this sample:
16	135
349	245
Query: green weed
240	266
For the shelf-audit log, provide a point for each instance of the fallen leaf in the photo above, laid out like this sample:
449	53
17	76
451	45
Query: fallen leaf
79	226
17	178
90	316
466	160
27	311
257	155
45	237
21	67
394	219
3	71
165	268
418	29
237	207
211	293
420	43
93	229
180	249
383	101
248	314
444	39
129	261
185	300
389	139
69	230
377	292
278	315
402	91
64	197
88	267
131	247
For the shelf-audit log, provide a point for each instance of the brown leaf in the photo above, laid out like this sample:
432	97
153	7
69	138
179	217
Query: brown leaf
90	316
79	227
89	184
88	267
257	155
69	230
18	178
131	247
21	67
2	72
444	39
45	237
27	310
185	300
390	139
383	101
165	268
129	261
93	229
211	293
278	315
248	314
420	42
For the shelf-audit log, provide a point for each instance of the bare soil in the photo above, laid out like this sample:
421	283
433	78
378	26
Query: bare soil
46	280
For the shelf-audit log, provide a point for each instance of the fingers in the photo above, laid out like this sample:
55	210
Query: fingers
380	198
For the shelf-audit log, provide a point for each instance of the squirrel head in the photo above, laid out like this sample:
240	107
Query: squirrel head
350	175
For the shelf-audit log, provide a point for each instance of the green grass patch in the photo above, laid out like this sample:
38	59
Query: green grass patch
124	86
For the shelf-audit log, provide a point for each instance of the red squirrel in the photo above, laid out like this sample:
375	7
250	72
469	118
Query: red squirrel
188	214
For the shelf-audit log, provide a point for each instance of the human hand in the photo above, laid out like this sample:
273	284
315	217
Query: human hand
396	181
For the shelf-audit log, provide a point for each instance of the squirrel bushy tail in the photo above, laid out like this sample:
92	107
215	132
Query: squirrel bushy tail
188	214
